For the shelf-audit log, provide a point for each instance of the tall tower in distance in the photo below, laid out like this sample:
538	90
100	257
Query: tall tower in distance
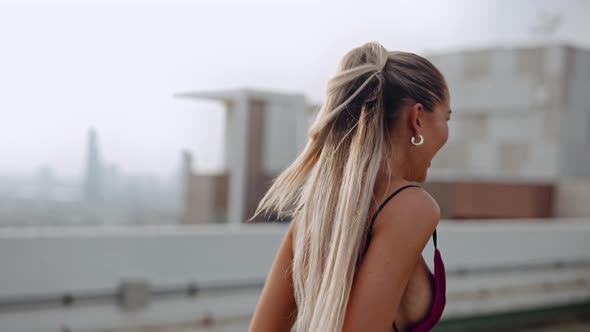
92	172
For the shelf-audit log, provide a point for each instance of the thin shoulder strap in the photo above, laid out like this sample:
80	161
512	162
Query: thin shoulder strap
385	202
434	238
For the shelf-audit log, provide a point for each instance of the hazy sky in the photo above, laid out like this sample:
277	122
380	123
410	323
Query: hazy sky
114	65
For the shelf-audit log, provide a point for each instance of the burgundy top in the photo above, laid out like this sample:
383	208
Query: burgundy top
438	304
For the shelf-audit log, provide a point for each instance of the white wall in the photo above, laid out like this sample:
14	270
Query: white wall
506	265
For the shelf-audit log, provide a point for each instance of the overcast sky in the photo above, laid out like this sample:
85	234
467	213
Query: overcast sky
114	65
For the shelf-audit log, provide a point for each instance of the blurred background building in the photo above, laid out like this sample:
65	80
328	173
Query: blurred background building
519	145
519	142
265	131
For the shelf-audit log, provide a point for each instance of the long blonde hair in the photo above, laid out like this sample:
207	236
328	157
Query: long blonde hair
329	187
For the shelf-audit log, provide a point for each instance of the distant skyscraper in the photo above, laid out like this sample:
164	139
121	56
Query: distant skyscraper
92	188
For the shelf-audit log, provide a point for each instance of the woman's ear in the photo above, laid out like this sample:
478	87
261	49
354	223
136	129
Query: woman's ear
415	117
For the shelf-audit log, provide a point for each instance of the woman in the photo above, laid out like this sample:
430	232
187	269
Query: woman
384	118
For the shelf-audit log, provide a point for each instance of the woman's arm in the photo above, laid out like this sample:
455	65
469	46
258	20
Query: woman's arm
276	310
400	233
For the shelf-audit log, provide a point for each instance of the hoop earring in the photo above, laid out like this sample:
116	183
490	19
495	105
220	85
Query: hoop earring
419	143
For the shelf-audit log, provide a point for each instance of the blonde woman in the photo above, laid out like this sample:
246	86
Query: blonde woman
383	120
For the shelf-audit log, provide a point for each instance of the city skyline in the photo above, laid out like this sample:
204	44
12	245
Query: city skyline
120	78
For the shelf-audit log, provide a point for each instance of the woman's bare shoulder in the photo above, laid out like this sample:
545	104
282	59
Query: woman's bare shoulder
410	201
412	212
